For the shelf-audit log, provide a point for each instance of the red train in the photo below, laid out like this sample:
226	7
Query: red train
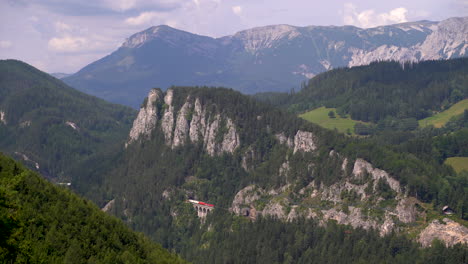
202	203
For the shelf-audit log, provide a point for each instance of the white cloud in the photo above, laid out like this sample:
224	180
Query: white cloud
143	18
120	5
237	10
68	44
369	18
62	27
5	44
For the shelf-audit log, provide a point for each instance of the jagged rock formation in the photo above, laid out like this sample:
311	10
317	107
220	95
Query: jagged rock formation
2	117
147	117
243	61
448	231
358	187
304	141
192	124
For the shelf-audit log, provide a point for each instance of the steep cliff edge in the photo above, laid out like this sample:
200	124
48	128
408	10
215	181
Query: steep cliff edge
218	146
189	123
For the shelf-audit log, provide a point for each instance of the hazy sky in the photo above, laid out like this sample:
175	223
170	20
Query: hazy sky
66	35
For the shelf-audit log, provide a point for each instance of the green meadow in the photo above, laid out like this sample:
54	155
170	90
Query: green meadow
440	119
458	163
320	117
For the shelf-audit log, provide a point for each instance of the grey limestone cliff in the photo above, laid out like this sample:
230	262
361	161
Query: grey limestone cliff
192	124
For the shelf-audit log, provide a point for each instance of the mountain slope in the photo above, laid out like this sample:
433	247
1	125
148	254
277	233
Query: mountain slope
42	223
52	127
383	90
218	146
272	58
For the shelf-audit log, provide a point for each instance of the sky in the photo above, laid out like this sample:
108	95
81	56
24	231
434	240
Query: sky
66	35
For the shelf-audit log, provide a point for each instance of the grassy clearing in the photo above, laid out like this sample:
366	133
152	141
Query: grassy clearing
458	163
320	117
440	119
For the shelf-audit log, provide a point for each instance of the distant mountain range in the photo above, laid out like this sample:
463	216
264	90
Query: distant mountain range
271	58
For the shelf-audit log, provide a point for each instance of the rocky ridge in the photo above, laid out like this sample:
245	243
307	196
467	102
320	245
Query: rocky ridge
191	123
354	200
263	59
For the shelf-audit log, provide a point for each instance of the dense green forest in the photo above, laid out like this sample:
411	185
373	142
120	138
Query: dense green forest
151	182
382	91
52	127
43	223
226	239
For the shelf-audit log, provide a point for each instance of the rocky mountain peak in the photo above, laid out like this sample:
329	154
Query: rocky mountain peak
162	32
265	37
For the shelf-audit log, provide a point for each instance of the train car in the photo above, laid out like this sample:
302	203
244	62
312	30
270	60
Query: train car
200	203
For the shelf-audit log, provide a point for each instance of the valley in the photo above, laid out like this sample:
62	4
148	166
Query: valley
276	144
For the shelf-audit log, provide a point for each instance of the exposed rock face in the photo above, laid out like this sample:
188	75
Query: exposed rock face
27	159
72	125
193	124
448	231
406	210
284	140
304	141
210	136
247	159
147	117
240	60
182	125
361	166
353	218
167	122
198	123
245	196
352	200
274	209
231	138
2	117
108	206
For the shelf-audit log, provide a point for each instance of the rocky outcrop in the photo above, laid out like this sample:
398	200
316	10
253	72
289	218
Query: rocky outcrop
193	124
406	210
244	197
147	117
231	138
3	118
210	136
182	125
447	231
354	218
361	166
304	141
27	159
167	121
284	140
108	206
72	125
198	123
447	39
274	209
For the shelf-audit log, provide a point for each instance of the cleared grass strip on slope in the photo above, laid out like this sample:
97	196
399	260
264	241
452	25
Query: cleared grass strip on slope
458	163
440	119
320	117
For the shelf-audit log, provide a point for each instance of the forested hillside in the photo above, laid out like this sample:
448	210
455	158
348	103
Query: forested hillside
221	147
43	223
383	91
52	127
